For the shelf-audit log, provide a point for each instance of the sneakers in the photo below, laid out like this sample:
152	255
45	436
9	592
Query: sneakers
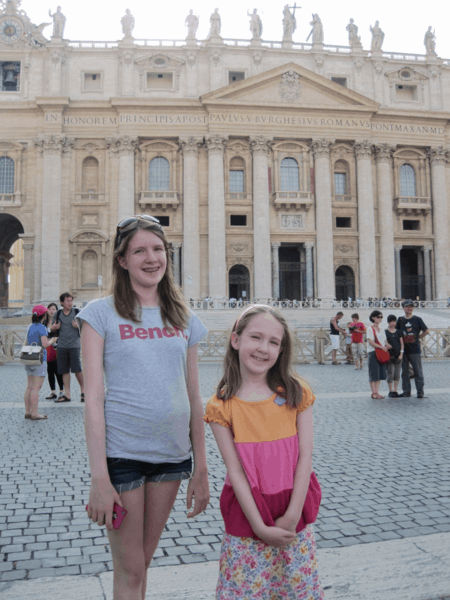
405	395
420	395
393	395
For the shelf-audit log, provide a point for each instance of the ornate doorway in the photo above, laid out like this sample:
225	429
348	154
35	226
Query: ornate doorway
292	271
10	227
239	282
345	283
412	277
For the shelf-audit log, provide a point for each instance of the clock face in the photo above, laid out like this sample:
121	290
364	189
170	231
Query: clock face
10	30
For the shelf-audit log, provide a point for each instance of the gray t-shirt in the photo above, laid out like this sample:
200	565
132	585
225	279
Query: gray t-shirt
147	409
69	336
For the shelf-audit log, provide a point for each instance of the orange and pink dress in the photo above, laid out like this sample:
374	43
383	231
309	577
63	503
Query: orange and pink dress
266	441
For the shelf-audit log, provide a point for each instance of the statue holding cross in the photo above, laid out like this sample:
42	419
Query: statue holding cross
289	22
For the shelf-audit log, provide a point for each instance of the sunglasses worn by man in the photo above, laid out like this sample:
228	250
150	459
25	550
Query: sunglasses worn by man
130	223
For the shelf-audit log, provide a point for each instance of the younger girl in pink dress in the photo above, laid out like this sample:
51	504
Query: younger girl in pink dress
261	417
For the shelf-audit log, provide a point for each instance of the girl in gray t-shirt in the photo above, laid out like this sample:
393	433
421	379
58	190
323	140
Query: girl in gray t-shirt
143	419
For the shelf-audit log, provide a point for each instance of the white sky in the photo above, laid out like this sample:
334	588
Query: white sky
403	22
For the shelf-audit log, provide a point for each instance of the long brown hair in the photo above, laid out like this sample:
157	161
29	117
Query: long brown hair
174	311
281	375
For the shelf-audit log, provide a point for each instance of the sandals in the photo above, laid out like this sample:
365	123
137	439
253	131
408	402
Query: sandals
38	418
377	397
62	399
27	416
52	396
335	363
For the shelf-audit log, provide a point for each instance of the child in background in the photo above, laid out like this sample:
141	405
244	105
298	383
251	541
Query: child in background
357	328
261	417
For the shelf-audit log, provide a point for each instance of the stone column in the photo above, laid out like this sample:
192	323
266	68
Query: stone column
398	272
275	271
261	217
427	271
440	219
324	223
309	271
366	225
51	147
216	217
28	246
191	236
385	218
176	247
125	147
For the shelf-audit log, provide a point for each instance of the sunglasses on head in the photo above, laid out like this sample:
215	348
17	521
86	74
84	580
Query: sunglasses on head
130	223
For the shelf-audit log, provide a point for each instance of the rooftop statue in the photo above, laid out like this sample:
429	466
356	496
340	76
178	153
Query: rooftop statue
127	24
59	22
289	23
430	41
216	24
354	41
255	24
192	24
317	30
377	37
36	36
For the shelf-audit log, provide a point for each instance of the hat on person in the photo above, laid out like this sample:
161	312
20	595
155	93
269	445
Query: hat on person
408	303
39	310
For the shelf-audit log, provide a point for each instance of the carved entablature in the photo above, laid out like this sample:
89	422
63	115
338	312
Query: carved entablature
54	144
122	144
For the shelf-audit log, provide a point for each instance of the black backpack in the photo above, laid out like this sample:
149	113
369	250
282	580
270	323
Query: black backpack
57	320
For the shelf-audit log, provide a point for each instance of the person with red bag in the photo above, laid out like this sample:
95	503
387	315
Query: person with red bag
376	339
52	370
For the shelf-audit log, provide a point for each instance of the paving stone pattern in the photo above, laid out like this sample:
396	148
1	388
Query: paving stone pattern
383	466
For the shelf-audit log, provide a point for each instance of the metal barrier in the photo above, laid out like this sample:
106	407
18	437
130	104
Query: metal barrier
310	345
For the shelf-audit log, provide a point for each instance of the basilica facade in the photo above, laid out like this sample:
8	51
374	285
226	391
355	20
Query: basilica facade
278	170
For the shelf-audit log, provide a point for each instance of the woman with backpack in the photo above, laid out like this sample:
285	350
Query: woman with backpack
37	334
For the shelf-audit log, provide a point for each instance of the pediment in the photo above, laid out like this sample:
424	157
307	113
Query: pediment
159	61
88	237
406	74
289	85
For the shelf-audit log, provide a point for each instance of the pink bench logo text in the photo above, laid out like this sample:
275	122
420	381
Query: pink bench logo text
127	332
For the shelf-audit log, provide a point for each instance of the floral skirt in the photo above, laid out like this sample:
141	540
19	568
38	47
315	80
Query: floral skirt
250	569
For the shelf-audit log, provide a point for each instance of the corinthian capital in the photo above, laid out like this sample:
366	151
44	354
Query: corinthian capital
384	152
54	144
189	145
123	144
261	145
215	143
363	149
437	155
321	147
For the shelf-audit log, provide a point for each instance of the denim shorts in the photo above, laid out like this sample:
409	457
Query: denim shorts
127	474
37	371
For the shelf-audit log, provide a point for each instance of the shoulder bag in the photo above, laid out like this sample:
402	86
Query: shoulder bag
32	355
382	356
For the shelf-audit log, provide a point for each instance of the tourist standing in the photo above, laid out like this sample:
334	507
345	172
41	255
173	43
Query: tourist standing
139	429
261	417
395	340
37	334
52	370
68	358
335	331
357	329
376	338
412	329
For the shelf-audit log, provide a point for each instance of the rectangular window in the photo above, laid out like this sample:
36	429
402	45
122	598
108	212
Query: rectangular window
343	221
340	80
340	183
164	220
236	181
406	92
10	76
234	76
92	82
411	225
159	81
238	220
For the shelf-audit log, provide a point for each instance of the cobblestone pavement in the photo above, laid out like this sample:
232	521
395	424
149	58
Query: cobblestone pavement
383	466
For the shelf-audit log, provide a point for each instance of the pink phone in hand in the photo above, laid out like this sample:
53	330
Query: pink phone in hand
119	514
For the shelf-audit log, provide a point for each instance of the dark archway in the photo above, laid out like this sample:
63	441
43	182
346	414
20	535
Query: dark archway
10	227
239	282
413	282
345	283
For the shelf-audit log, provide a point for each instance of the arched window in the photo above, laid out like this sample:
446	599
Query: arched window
407	181
6	175
289	175
89	269
90	175
237	175
159	174
341	178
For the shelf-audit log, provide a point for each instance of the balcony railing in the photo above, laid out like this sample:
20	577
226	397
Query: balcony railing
412	205
10	200
88	198
345	198
293	199
238	196
160	199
